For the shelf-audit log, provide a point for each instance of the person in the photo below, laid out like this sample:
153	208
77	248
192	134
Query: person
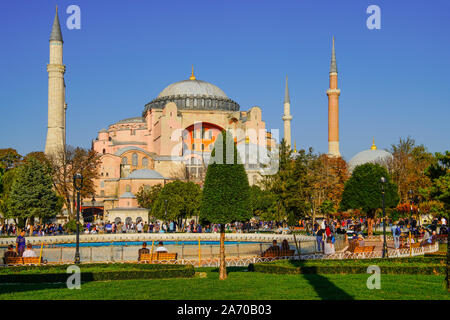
20	243
329	247
396	232
161	247
10	253
273	249
320	235
143	250
285	245
29	252
360	240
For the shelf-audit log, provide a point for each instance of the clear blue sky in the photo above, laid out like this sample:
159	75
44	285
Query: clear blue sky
394	82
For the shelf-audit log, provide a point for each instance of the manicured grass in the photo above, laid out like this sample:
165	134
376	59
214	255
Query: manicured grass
241	285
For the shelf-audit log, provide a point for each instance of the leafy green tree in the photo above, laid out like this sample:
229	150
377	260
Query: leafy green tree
363	191
180	199
32	195
262	203
9	158
7	181
226	192
147	195
439	173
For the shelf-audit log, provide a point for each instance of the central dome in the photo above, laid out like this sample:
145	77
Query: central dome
193	94
193	88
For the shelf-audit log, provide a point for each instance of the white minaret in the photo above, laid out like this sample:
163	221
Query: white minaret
56	131
287	116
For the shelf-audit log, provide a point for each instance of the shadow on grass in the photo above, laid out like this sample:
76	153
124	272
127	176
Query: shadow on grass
23	287
324	288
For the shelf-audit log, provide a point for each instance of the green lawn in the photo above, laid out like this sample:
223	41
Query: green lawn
241	285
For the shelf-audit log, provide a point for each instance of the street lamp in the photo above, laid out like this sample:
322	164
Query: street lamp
78	185
411	201
383	181
165	214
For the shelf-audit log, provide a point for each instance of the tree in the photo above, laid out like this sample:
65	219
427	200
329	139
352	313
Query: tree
9	158
363	191
439	173
7	181
226	192
147	195
177	200
32	194
65	165
407	167
262	203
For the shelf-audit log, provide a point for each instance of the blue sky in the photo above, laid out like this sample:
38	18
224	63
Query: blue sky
394	81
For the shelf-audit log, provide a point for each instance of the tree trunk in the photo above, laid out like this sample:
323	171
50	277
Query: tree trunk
222	265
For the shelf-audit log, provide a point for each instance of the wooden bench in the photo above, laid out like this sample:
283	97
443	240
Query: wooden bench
158	256
364	249
22	260
281	253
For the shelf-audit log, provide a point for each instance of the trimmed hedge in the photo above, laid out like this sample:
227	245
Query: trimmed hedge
88	273
268	268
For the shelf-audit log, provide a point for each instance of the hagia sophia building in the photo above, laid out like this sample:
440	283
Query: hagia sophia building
172	138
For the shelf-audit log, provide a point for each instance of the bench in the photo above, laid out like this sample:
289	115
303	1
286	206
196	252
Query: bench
364	249
22	260
158	256
281	253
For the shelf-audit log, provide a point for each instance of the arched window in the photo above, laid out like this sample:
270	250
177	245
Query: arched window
124	160
128	188
145	162
104	151
134	159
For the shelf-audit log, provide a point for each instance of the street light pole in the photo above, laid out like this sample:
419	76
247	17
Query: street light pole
78	185
383	181
411	201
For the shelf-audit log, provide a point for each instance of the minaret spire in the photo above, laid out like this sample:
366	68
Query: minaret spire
286	92
333	65
56	34
333	108
56	137
287	116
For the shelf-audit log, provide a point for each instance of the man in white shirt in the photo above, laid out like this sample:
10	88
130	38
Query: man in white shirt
161	247
29	253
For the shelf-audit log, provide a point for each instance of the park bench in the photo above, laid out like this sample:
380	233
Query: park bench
158	256
21	260
364	249
281	253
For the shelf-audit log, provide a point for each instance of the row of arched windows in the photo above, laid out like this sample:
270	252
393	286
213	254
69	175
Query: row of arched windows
134	160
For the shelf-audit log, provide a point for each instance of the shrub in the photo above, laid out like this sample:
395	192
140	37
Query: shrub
95	272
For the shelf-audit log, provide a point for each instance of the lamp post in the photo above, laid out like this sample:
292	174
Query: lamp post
78	185
411	201
165	213
383	181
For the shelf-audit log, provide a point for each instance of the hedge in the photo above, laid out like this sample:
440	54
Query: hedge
88	273
276	269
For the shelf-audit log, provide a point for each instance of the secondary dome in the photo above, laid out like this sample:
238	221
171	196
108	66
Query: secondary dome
193	94
373	155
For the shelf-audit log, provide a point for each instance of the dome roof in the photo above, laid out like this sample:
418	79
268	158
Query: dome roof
372	155
193	88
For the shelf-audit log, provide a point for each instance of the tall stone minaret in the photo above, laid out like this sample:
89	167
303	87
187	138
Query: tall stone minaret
333	109
56	132
287	116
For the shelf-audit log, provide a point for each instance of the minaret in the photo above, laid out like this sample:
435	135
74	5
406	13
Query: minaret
333	109
54	146
287	116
